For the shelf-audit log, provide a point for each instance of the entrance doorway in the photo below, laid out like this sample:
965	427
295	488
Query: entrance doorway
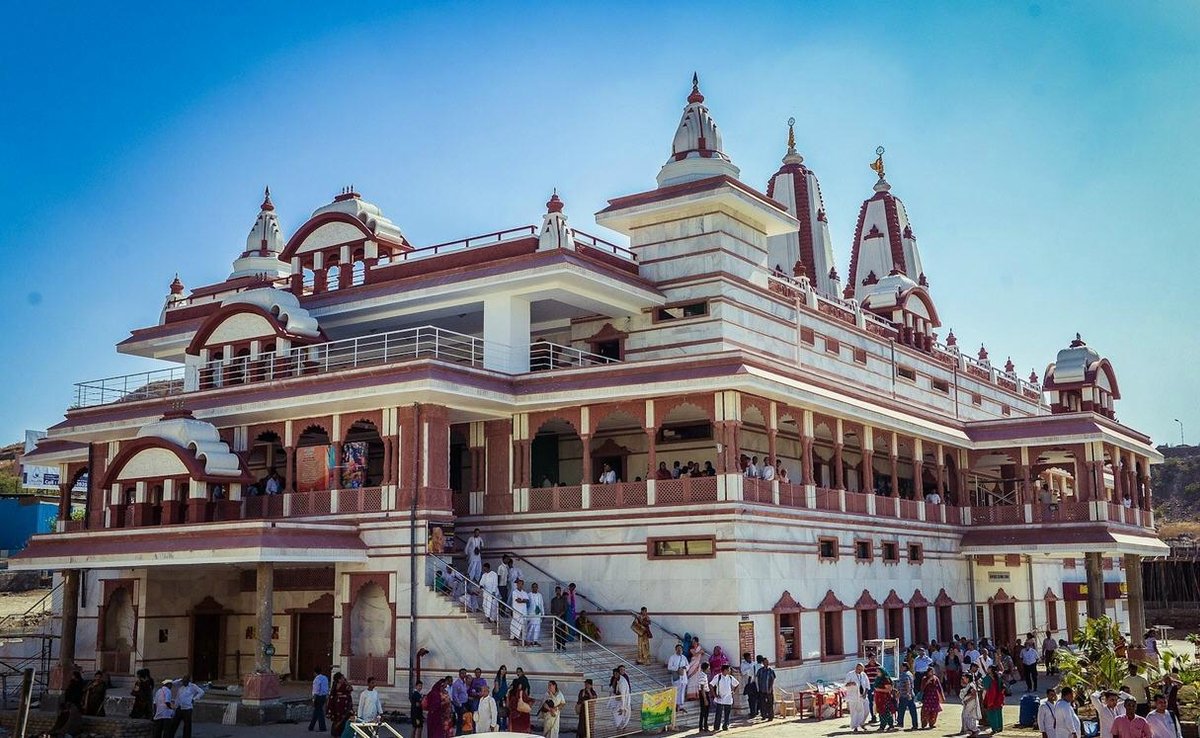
206	646
314	643
1004	623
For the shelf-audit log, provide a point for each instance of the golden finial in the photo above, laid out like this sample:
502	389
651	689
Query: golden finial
877	165
791	135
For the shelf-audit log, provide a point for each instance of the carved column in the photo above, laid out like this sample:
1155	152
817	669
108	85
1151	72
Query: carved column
289	455
867	483
1095	584
651	453
587	458
918	478
839	473
806	459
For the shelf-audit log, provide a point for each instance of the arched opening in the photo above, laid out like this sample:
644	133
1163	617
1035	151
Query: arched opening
789	449
950	481
686	443
358	273
822	454
265	461
556	453
618	446
120	631
370	623
362	456
994	480
333	278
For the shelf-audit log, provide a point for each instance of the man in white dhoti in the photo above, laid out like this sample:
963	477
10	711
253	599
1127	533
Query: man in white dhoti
622	701
490	584
857	687
677	666
514	573
520	601
475	556
534	612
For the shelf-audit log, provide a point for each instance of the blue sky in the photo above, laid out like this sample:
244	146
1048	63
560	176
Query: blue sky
1046	152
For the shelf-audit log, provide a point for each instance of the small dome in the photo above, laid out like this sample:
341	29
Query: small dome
197	437
264	244
369	214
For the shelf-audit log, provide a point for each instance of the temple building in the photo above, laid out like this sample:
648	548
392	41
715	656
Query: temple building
335	417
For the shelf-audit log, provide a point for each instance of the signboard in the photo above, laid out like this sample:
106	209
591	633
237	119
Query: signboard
999	576
746	638
658	710
81	484
312	468
1078	591
31	440
39	477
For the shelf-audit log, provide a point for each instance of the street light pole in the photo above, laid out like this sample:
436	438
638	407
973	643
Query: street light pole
1181	443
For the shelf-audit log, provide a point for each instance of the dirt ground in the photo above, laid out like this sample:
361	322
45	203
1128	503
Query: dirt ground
17	603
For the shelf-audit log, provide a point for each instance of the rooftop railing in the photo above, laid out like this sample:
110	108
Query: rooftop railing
409	344
129	387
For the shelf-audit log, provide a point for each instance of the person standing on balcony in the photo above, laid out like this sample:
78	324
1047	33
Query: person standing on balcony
489	584
751	471
608	475
641	628
768	470
676	471
663	472
273	484
475	556
677	665
520	601
535	609
502	579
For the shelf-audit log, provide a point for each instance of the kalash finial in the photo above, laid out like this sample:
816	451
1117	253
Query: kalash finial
267	204
695	97
877	166
555	205
792	157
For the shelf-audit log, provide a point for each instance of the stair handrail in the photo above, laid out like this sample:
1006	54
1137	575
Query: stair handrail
40	603
580	595
502	606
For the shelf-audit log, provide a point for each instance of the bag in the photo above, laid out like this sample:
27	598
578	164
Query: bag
523	707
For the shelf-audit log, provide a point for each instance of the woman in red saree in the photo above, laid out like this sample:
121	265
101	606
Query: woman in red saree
519	717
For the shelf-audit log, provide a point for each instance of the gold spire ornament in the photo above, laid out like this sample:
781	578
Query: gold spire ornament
791	135
877	165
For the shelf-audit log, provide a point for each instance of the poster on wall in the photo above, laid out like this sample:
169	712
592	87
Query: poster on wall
746	637
39	477
312	468
658	710
441	537
354	465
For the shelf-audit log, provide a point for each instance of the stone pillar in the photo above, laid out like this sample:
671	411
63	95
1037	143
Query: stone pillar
1095	584
506	333
867	483
895	461
1118	482
70	621
651	453
918	478
263	684
773	446
839	481
806	460
587	459
289	476
1137	611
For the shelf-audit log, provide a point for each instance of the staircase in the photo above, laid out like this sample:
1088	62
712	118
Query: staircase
582	655
36	624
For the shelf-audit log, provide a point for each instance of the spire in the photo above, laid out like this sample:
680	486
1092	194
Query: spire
1033	377
264	244
177	285
555	233
795	186
695	97
1009	366
951	339
883	239
697	149
983	354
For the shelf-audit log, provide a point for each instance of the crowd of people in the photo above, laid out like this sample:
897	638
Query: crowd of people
169	706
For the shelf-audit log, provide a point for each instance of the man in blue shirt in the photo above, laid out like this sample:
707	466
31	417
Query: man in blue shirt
320	695
764	681
905	701
460	691
921	666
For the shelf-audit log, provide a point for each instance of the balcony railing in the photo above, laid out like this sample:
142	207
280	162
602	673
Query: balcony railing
130	387
544	355
425	342
351	353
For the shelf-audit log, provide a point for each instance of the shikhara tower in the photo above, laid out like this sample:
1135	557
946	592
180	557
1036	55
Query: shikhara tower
398	392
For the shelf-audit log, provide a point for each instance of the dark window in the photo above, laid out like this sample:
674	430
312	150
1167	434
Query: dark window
860	356
905	372
701	431
916	553
832	621
977	399
608	349
862	550
941	386
890	552
832	346
807	336
1005	410
828	548
682	548
676	312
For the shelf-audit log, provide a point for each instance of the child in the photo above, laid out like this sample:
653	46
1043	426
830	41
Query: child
885	702
971	711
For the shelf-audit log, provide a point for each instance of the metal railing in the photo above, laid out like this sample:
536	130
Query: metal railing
383	348
129	387
594	605
564	640
544	355
600	244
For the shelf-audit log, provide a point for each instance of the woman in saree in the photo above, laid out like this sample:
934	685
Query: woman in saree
993	700
931	699
520	707
698	656
584	707
341	704
500	694
434	705
717	660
